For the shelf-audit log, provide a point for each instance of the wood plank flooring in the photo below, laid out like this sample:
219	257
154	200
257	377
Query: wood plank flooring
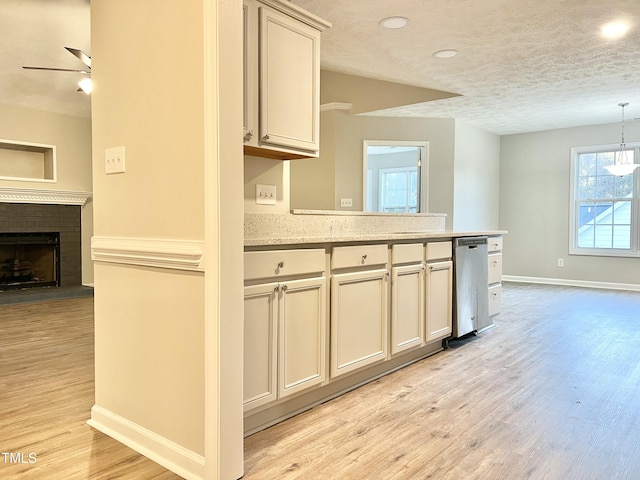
46	393
552	392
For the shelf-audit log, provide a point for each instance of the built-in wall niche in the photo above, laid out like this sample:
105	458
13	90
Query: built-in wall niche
27	161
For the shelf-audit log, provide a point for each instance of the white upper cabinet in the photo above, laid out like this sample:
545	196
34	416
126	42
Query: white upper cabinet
281	80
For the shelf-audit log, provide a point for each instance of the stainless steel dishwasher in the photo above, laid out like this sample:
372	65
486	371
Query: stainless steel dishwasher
471	293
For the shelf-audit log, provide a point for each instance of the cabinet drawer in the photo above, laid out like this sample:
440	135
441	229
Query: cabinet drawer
494	244
495	268
281	263
406	253
495	299
438	250
359	256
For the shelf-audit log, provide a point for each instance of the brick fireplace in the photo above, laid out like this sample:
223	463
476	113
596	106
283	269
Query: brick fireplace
21	219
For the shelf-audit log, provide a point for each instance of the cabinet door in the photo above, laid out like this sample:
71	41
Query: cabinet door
302	332
260	344
359	319
289	82
439	287
407	307
249	71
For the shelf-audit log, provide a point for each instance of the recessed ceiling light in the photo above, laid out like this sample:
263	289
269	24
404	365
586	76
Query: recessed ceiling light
394	22
449	53
614	30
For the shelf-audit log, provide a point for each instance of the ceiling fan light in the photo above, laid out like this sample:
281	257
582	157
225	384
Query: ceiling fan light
85	85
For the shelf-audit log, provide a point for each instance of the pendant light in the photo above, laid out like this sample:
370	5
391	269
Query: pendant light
621	164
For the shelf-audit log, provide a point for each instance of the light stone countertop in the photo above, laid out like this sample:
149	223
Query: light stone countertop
321	227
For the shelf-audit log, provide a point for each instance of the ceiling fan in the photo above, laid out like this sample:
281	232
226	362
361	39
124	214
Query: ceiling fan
85	85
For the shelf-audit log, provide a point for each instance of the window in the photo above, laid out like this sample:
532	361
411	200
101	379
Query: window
604	211
398	190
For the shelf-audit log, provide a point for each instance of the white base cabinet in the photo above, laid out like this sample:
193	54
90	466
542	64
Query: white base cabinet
301	334
495	274
407	297
439	287
359	320
285	325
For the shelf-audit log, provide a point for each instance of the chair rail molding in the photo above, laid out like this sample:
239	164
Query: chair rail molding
150	252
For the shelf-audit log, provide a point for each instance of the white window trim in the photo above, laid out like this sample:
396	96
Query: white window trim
634	251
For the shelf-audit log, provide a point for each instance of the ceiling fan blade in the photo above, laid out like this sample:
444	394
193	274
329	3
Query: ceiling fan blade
83	57
57	69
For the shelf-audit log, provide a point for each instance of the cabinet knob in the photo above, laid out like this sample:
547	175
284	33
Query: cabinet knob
284	288
364	258
280	264
265	138
248	136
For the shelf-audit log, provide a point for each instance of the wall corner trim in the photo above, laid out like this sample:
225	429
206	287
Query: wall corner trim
169	454
149	252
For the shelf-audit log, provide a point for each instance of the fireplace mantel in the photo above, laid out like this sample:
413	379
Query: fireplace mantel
41	196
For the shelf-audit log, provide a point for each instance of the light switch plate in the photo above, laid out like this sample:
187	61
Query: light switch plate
265	194
114	160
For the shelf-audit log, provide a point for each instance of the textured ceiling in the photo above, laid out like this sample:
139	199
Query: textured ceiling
35	32
524	65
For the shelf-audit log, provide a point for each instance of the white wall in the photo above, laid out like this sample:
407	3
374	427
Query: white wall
266	171
72	138
534	205
476	184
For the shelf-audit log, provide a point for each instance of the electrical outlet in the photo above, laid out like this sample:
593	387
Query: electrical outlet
114	160
346	202
561	262
265	194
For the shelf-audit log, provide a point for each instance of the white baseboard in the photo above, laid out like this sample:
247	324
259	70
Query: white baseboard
170	455
572	283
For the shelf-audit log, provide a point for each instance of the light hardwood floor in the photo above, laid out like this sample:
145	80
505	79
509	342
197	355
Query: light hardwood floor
553	392
46	393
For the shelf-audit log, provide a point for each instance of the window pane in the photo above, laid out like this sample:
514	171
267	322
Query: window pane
587	164
622	236
603	236
605	186
586	213
587	187
604	159
622	213
624	186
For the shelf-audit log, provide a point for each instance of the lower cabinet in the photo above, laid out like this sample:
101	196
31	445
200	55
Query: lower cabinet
284	328
439	296
359	319
407	297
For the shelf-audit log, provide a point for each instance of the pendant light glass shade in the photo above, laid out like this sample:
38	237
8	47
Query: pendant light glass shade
623	162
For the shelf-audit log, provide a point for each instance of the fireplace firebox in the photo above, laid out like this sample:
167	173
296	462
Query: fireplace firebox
29	260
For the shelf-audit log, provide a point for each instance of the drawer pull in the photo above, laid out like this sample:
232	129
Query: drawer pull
434	269
364	258
280	264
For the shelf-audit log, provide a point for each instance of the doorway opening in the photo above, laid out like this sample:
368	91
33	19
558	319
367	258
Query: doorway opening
395	176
